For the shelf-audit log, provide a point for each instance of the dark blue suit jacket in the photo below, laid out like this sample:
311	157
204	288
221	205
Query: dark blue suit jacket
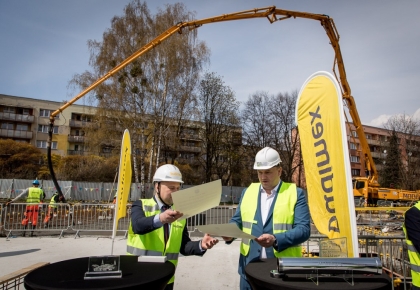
298	234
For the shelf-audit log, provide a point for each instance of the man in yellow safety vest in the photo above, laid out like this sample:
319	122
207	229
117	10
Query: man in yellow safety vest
35	195
272	210
52	207
154	228
411	229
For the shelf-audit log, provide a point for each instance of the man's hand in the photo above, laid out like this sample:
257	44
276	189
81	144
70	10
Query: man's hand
169	216
265	240
208	242
6	204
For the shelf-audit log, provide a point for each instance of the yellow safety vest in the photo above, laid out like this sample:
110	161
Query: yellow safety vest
53	204
283	215
152	244
34	195
414	256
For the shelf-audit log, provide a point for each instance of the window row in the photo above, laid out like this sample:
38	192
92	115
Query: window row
47	113
26	127
12	110
11	126
354	159
43	144
44	129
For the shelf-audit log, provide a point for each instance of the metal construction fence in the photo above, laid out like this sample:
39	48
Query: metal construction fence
97	191
83	217
97	219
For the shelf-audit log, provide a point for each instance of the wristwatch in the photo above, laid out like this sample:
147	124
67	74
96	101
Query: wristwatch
275	243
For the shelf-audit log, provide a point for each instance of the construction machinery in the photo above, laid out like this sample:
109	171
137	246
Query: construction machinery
366	188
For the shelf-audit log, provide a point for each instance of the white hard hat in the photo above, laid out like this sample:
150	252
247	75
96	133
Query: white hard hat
168	172
266	158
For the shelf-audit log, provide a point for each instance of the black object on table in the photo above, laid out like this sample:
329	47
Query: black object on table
69	274
258	275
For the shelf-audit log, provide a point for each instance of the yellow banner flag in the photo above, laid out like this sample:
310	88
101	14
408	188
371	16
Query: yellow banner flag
321	125
124	180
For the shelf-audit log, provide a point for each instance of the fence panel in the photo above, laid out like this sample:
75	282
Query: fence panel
97	191
58	220
20	185
97	217
6	187
49	188
236	193
108	191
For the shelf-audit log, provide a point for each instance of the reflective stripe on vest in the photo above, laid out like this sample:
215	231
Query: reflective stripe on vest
34	195
152	244
283	215
414	256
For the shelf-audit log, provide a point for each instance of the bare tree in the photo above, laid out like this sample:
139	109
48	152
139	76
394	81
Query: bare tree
257	122
151	92
270	121
287	144
219	113
407	131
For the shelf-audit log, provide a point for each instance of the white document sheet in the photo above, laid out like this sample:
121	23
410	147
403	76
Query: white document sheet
225	230
196	199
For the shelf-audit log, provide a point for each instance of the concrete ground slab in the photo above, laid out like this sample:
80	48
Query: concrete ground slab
217	269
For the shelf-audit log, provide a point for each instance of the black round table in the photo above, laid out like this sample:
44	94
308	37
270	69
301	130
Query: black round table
258	275
69	274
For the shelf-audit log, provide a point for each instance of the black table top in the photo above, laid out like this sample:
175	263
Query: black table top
258	275
69	274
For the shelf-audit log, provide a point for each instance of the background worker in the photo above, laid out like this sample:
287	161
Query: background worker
411	229
153	222
35	195
274	211
52	207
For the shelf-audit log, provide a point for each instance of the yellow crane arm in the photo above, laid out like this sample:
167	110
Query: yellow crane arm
272	14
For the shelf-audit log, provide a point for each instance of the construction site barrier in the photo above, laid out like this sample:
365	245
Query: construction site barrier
92	218
379	232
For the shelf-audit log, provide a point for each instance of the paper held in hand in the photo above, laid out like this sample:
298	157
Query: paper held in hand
225	230
196	199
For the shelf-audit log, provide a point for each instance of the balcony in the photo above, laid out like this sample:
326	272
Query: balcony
373	142
78	152
187	136
190	148
76	139
16	117
377	155
81	124
16	134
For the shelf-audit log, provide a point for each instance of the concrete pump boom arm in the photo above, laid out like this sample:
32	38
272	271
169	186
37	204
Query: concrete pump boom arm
273	15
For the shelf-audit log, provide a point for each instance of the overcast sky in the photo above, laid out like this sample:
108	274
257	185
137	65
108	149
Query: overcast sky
44	43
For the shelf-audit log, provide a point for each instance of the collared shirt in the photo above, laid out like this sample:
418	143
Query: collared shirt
156	221
266	203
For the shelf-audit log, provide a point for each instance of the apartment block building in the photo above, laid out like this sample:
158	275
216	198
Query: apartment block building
27	120
378	141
